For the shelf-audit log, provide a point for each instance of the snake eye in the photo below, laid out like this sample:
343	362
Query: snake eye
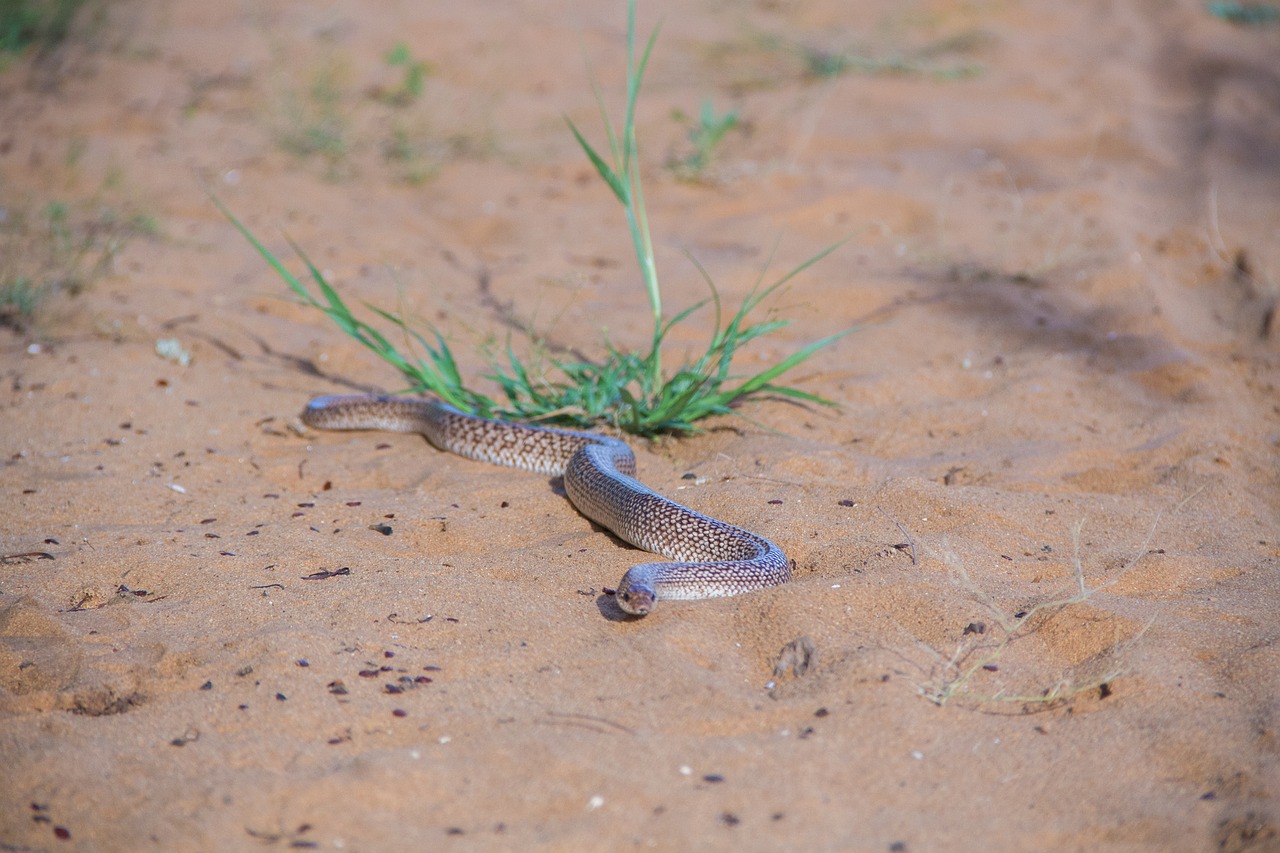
626	596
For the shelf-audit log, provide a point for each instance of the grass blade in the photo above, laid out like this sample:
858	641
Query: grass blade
606	172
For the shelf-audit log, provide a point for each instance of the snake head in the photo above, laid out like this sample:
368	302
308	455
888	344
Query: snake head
634	598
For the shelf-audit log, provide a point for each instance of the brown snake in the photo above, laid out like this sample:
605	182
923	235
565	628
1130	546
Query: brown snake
714	559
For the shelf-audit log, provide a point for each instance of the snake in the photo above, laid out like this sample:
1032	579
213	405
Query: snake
711	558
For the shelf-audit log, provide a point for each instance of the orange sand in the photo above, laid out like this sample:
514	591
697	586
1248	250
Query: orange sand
1066	267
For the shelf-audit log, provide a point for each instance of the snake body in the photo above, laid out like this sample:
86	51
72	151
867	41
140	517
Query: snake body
713	558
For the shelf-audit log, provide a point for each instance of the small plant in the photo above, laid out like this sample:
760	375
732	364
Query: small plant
315	124
19	299
411	83
408	156
415	154
627	389
921	61
40	23
1246	14
822	63
55	251
705	135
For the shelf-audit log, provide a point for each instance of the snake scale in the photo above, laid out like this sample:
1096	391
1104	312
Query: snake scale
713	559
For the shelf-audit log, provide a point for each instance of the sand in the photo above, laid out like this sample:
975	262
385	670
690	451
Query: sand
1063	258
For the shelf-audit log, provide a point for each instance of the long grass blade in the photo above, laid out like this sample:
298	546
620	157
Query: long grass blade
606	172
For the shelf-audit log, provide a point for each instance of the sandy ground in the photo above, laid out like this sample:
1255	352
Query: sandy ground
1064	254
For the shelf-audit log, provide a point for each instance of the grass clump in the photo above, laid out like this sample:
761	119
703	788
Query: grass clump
408	154
1246	14
937	59
315	123
42	24
413	79
56	250
319	119
827	64
705	135
629	390
19	299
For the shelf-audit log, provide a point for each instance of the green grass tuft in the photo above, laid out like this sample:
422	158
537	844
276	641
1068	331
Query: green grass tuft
58	249
412	82
42	24
629	390
315	122
1246	14
705	135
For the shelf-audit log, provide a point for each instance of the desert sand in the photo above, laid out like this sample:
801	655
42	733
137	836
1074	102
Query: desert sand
1037	546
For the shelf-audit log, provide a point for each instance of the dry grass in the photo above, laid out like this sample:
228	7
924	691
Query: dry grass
950	676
